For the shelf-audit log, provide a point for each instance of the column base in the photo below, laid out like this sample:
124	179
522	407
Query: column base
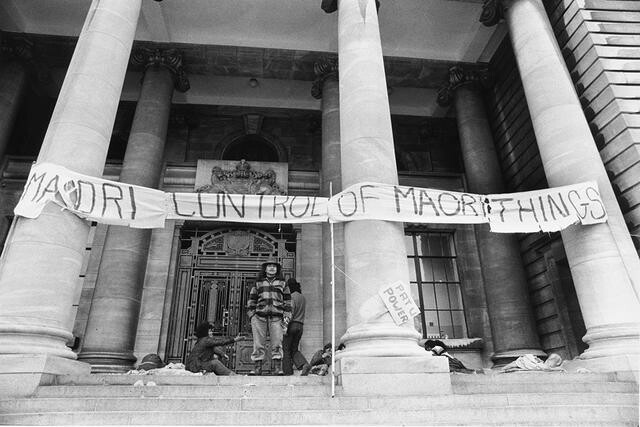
381	340
502	358
393	376
21	374
612	348
108	363
626	366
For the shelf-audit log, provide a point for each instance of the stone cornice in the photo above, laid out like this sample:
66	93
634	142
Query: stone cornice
330	6
325	69
459	76
170	59
493	12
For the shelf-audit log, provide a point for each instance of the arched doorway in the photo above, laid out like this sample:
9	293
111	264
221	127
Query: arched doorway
251	148
216	271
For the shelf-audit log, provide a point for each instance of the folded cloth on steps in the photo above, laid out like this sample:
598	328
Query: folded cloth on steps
170	369
529	362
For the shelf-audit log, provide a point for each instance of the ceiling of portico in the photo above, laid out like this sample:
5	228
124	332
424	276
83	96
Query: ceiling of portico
225	42
426	29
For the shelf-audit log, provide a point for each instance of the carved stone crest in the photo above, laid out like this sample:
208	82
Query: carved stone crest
238	243
242	179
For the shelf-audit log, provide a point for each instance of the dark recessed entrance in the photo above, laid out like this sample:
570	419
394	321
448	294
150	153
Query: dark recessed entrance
216	271
251	148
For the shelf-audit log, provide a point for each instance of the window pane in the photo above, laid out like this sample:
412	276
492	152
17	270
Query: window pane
435	245
448	247
455	297
442	298
452	270
426	269
408	243
459	325
439	270
413	288
417	323
429	298
446	326
433	328
429	244
412	269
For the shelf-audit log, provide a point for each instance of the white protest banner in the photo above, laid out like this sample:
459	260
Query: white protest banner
247	208
111	202
95	199
369	200
546	210
543	210
397	298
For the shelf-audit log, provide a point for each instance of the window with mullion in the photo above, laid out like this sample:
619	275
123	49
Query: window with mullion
435	284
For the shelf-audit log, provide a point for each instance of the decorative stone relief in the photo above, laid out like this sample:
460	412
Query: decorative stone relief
252	123
242	179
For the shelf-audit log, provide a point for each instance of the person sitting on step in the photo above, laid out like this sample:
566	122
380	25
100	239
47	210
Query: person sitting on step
320	361
206	354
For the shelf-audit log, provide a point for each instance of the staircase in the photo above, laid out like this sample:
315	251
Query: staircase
501	399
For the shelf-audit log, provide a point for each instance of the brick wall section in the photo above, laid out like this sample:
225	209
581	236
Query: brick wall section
600	41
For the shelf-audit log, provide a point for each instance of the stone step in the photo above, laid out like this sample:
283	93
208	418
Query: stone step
515	377
537	377
123	379
518	415
247	390
495	388
250	388
168	403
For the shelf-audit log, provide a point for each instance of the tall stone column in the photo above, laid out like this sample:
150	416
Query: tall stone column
603	262
325	87
42	260
505	281
113	318
375	253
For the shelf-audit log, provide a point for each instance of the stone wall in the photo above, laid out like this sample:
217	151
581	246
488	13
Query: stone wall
600	44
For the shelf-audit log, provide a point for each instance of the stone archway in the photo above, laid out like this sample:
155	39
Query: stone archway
232	146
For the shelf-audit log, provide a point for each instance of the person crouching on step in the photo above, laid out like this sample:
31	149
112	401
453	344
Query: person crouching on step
206	354
269	309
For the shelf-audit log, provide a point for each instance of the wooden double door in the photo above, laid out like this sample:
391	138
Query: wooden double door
214	278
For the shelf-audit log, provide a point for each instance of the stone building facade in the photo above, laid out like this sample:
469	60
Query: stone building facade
542	96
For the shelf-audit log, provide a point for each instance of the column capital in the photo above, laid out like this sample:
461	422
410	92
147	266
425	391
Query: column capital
170	59
325	69
459	76
330	6
493	11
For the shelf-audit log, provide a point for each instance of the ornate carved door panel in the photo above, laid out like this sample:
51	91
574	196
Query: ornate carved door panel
216	272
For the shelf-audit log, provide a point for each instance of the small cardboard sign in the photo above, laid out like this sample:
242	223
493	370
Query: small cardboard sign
397	298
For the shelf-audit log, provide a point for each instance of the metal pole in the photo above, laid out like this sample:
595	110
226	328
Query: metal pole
333	307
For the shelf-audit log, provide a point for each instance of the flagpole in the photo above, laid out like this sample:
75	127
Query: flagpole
333	306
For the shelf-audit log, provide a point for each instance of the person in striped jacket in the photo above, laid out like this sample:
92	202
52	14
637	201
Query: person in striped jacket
269	309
